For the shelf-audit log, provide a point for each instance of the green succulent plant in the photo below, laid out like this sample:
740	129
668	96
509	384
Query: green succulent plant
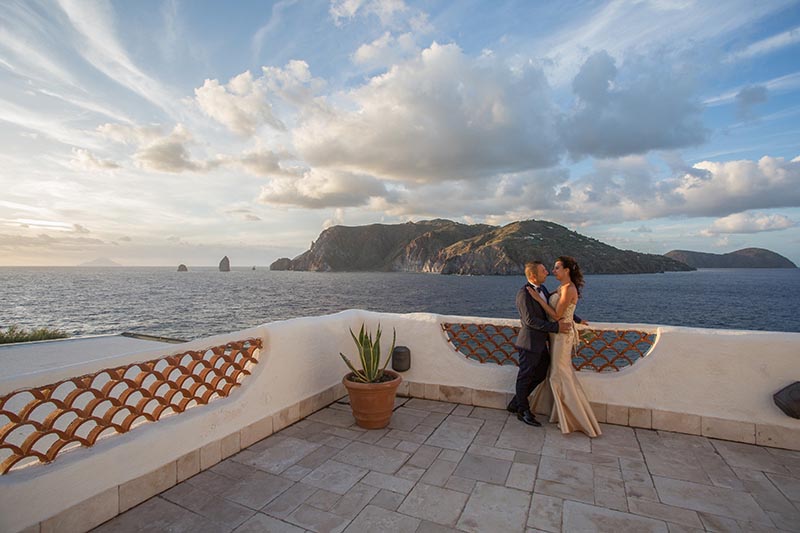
369	351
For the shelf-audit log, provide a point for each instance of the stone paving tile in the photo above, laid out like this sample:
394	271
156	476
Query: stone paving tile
335	477
432	527
211	482
435	504
157	512
433	419
208	505
571	441
372	436
317	457
668	513
424	456
567	472
323	499
490	414
412	473
683	469
405	421
494	508
545	513
374	518
593	458
354	501
439	472
642	491
286	503
567	492
481	468
463	410
749	456
296	472
387	482
257	490
409	436
334	417
521	476
451	455
372	457
461	484
388	442
582	517
260	523
281	456
607	472
520	437
491	451
409	447
610	493
317	520
388	499
431	405
709	499
455	433
789	486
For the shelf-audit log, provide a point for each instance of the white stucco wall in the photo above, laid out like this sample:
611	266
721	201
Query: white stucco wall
721	373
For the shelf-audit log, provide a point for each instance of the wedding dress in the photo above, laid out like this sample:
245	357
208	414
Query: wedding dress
562	390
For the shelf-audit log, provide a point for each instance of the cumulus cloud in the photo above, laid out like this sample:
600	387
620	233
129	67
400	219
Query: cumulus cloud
320	188
170	154
615	192
749	223
264	162
747	98
440	116
335	220
241	105
385	50
616	116
85	160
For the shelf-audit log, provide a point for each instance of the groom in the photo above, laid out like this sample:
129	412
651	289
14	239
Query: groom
532	341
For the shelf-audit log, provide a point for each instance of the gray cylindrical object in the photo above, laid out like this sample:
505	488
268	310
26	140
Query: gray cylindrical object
401	359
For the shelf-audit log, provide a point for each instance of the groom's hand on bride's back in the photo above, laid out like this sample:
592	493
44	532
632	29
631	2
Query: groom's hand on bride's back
563	326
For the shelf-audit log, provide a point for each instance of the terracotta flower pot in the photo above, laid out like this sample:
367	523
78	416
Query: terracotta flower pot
373	403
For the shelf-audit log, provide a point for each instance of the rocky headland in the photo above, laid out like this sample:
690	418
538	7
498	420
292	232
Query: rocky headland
744	258
447	247
225	264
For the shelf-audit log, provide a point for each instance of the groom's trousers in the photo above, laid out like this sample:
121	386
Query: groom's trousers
532	371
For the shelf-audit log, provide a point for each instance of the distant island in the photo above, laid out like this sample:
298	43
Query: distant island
447	247
100	262
744	258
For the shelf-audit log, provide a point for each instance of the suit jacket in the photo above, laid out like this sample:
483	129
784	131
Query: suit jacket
533	334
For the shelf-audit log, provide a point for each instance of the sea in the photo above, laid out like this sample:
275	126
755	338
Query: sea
202	302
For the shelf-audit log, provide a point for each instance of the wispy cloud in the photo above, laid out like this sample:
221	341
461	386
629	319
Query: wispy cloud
781	84
768	45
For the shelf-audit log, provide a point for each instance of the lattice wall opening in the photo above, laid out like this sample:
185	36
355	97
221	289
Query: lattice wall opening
598	350
39	423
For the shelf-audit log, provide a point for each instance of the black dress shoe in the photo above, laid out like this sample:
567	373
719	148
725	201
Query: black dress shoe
512	407
528	418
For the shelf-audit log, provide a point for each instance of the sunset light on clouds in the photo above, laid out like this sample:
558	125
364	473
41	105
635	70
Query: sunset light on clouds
158	133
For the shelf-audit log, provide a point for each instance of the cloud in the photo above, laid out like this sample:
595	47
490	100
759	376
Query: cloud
130	134
768	45
617	191
47	242
335	220
318	189
85	160
264	162
241	105
169	154
386	50
747	98
77	228
389	12
615	116
749	223
440	116
642	229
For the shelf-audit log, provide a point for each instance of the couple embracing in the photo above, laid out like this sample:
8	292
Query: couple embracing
546	343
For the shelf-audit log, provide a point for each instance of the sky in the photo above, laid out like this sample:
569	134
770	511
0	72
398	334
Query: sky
167	132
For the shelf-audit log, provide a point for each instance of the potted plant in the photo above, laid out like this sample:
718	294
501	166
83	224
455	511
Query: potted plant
371	388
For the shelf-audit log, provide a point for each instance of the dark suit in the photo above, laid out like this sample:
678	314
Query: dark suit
533	346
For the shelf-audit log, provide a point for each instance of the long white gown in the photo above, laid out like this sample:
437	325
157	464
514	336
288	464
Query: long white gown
561	392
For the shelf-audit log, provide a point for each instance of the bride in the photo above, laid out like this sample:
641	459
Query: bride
570	407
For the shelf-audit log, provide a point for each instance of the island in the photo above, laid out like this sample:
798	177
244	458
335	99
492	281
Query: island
744	258
182	268
225	264
445	247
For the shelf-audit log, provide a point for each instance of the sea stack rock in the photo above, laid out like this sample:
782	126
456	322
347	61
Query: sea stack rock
182	268
281	264
225	264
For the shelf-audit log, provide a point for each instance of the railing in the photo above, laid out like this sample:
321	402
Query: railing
598	351
37	424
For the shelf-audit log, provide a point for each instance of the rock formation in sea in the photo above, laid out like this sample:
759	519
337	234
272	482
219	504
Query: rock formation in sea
744	258
182	268
447	247
281	264
225	264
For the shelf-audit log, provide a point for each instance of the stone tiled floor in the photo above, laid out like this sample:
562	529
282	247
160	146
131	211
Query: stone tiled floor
446	467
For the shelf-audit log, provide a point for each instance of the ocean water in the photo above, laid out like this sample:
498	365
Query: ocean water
204	301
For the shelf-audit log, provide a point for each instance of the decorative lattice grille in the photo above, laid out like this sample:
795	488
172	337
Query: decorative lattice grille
37	424
598	351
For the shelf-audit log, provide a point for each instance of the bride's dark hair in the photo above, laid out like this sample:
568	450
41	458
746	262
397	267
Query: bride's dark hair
575	274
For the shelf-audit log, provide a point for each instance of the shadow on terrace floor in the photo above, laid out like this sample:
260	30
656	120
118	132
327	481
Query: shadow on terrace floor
447	467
